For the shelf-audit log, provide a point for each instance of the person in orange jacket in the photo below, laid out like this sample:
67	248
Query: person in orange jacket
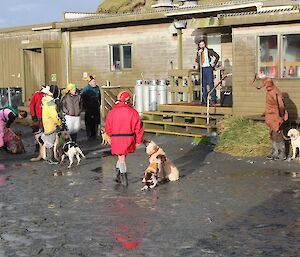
124	126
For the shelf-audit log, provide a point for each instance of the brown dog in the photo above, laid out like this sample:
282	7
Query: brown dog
105	138
19	146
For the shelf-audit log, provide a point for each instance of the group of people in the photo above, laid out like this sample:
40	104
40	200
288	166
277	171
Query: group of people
52	111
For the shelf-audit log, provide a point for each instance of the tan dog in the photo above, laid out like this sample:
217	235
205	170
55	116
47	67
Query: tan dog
294	135
105	138
160	164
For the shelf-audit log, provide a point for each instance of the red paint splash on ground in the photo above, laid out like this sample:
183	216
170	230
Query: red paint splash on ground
130	245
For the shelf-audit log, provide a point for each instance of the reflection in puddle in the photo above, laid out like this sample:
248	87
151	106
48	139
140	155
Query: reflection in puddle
3	180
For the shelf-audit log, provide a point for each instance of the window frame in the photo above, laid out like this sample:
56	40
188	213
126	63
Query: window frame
121	53
280	53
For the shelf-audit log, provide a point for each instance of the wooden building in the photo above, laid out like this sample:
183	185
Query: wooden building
250	36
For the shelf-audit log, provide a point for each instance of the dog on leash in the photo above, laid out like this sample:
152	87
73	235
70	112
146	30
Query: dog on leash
294	135
19	146
161	167
71	150
42	148
105	138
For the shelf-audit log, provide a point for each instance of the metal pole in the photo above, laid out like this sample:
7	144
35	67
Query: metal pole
9	96
179	34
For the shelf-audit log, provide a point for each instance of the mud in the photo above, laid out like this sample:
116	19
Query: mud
221	206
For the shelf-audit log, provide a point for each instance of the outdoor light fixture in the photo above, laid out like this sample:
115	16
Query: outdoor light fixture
180	24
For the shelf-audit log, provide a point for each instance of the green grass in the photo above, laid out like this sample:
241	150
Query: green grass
243	137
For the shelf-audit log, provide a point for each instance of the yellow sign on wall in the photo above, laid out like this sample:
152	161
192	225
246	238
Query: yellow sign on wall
53	77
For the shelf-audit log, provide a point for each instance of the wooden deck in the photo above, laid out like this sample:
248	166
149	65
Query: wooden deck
184	119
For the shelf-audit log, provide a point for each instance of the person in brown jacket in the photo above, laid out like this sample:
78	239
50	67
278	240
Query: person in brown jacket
275	117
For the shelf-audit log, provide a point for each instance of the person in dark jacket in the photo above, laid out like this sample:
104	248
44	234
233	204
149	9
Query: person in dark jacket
71	107
91	98
207	59
124	126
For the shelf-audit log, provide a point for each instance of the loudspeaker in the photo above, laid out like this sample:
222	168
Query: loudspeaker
226	98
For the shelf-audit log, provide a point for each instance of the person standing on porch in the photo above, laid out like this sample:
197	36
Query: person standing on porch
207	59
91	103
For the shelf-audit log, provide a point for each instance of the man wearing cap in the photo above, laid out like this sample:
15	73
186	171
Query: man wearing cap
51	123
91	102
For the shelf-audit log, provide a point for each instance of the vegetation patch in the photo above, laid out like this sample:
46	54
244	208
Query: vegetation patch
240	136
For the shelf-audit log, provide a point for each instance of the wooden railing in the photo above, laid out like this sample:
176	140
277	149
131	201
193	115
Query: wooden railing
109	97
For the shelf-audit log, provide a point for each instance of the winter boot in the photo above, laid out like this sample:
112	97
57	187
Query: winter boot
50	156
124	180
118	174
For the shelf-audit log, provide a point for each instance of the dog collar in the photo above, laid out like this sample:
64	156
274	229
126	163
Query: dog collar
155	151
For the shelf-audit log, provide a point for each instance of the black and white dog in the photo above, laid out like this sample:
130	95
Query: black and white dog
71	149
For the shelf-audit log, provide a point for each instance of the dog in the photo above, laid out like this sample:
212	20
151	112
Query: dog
42	148
19	146
161	167
71	149
294	135
106	140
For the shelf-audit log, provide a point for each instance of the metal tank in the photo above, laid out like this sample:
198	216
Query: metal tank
152	95
146	96
139	96
161	92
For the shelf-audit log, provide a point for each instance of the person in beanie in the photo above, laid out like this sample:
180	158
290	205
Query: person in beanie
275	117
124	126
71	107
7	116
91	102
51	123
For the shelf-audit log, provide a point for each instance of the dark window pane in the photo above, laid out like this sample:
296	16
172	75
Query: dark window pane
268	56
291	56
127	57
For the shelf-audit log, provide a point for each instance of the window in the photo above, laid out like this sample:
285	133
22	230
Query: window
268	56
290	56
120	57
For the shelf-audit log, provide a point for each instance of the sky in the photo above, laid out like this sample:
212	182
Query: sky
29	12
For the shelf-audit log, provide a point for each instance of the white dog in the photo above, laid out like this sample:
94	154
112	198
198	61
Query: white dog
160	165
294	135
71	149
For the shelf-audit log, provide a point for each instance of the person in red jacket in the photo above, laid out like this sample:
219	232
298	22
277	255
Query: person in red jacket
36	112
124	126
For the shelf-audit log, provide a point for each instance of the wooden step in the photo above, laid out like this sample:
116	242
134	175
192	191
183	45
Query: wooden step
194	109
178	124
182	115
173	133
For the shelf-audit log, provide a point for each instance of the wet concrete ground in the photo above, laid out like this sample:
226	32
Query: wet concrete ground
221	206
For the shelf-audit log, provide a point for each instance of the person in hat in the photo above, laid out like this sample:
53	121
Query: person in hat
276	117
124	126
7	116
91	98
36	112
51	123
71	107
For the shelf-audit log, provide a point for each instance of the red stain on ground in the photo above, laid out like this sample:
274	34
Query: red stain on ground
120	238
130	245
2	180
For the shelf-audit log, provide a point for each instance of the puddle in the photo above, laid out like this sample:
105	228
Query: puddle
3	180
97	170
247	174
